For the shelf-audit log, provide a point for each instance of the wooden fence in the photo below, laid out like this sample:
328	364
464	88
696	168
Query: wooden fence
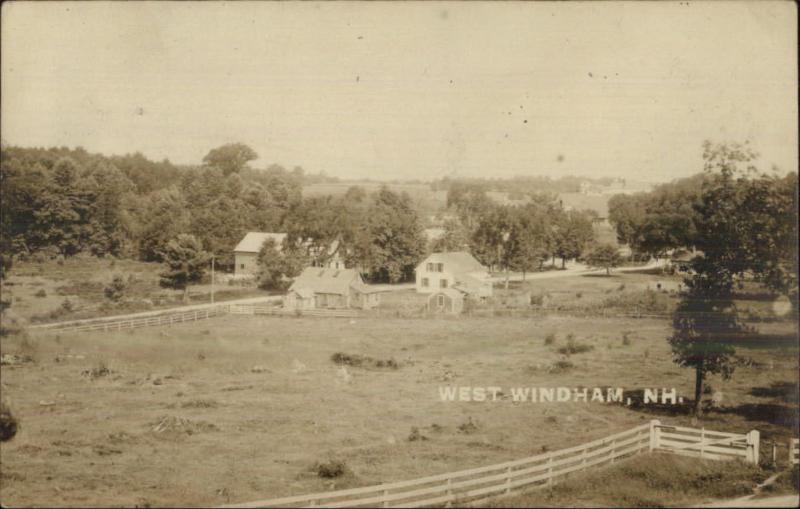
794	451
469	486
706	444
250	309
112	324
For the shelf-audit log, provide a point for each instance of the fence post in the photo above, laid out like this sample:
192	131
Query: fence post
752	446
702	439
654	424
775	453
550	470
508	480
449	493
385	494
613	450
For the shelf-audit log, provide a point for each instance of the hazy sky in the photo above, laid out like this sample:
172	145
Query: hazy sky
407	90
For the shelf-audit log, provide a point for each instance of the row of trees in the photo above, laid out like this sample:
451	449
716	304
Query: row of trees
60	202
515	237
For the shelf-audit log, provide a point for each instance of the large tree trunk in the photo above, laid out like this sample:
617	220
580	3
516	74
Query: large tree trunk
563	262
508	276
608	271
523	275
698	391
186	294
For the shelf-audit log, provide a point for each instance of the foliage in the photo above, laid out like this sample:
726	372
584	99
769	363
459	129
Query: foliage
230	158
115	291
605	256
275	265
185	263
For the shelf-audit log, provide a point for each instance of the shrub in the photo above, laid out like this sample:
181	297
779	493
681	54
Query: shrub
331	469
561	367
468	427
573	347
115	291
41	293
415	435
550	339
626	340
356	360
578	295
8	424
66	306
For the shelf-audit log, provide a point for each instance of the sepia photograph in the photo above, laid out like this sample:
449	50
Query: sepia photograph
399	254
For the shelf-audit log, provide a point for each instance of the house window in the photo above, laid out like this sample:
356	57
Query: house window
241	265
442	283
435	267
430	267
439	267
440	301
424	282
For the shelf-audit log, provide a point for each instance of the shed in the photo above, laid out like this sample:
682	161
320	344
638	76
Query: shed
446	300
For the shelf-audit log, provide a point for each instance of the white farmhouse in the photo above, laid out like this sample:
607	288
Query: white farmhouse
458	270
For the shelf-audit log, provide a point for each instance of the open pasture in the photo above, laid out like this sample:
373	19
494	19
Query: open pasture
244	407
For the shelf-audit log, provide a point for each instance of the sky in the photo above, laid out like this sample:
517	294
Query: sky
408	90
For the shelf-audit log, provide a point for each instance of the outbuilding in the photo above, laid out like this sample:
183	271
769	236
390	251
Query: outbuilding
446	300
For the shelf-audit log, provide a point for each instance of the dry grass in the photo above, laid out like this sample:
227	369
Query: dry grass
270	426
645	481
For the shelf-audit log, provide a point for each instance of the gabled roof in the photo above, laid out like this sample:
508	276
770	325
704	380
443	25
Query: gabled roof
334	281
456	262
453	293
252	242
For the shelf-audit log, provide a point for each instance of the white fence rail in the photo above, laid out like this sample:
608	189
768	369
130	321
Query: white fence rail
112	324
707	444
468	486
794	451
249	309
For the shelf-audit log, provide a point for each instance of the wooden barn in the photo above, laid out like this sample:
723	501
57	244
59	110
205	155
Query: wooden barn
446	300
324	288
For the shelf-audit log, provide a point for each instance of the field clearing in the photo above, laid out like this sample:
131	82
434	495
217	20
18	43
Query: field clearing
38	289
241	408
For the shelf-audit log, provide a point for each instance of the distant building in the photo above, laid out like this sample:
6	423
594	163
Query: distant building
457	270
324	288
245	254
446	300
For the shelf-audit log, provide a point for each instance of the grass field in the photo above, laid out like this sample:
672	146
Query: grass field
38	290
241	408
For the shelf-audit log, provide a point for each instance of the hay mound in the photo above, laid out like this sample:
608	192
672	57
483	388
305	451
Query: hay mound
175	424
8	359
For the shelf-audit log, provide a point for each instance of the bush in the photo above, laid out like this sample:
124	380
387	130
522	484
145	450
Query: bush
115	291
8	424
415	435
561	367
356	360
572	347
625	339
41	293
550	339
331	469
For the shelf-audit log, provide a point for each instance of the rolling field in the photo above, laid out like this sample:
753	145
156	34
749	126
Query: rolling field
242	408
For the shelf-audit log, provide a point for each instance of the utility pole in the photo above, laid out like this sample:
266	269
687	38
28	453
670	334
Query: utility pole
212	278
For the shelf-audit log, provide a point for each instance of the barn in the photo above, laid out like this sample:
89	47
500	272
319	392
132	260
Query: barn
446	300
325	288
245	254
